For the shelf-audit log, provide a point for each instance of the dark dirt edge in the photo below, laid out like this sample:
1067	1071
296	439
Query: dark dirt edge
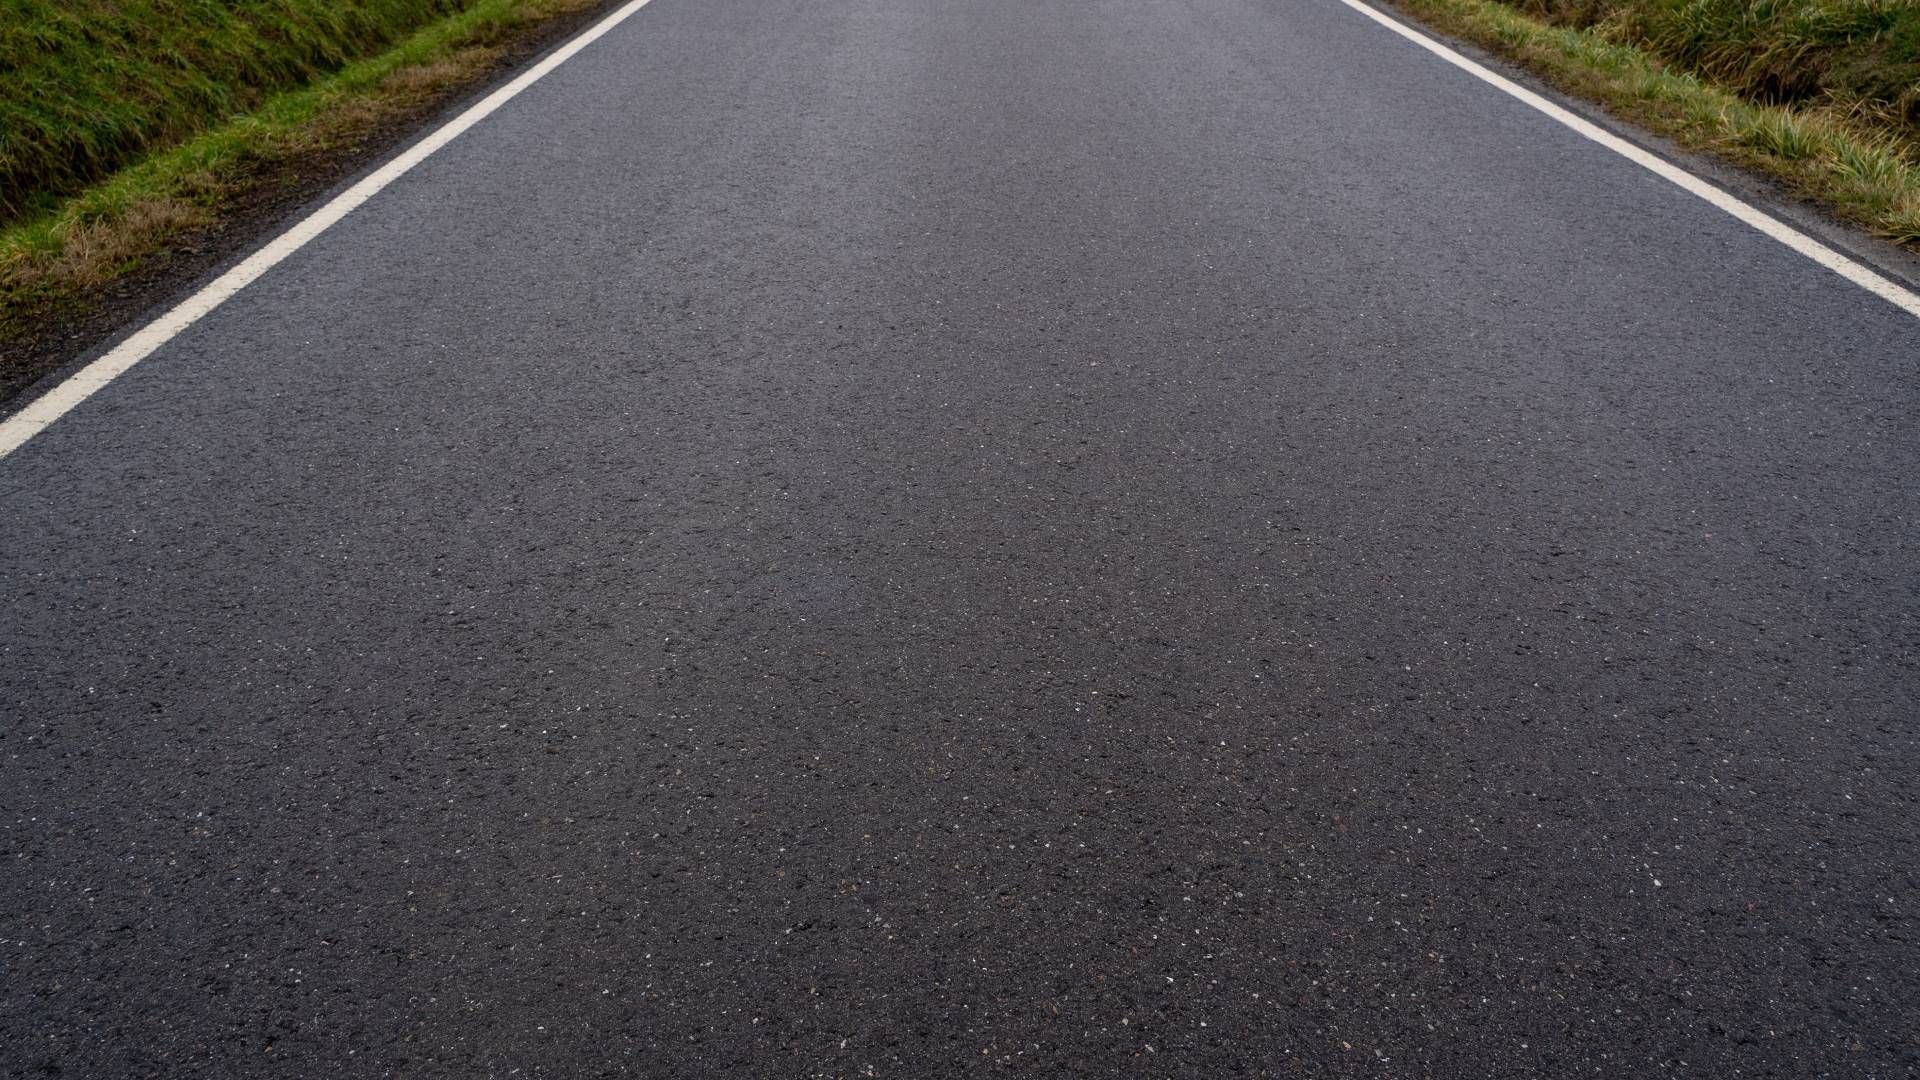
55	342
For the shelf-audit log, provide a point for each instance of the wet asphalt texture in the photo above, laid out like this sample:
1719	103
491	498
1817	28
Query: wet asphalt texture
913	539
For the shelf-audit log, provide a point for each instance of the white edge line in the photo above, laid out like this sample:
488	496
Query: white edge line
15	430
1891	291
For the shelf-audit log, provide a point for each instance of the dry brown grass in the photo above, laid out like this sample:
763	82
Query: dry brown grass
404	90
99	251
420	81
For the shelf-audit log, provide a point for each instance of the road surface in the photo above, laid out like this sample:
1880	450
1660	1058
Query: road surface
913	539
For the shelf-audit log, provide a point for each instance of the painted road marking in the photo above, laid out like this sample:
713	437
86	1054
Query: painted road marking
1860	275
15	430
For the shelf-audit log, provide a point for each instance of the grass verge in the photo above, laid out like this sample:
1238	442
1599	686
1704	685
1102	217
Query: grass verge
1857	159
57	263
86	86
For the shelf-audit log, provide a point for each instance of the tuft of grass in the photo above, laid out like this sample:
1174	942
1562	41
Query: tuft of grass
95	250
137	198
1750	81
1782	135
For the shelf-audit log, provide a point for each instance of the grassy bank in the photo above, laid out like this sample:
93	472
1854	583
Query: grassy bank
1820	94
126	123
1860	56
86	86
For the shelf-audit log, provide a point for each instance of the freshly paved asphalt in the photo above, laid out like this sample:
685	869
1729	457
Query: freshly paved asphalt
909	538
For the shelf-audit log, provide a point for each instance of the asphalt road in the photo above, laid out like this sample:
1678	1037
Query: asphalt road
913	539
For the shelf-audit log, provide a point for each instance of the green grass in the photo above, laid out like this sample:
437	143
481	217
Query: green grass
124	123
1820	94
87	85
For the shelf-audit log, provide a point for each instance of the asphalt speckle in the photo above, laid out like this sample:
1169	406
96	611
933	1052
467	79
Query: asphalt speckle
910	539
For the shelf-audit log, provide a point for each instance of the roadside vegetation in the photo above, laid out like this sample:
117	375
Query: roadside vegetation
125	124
1821	94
